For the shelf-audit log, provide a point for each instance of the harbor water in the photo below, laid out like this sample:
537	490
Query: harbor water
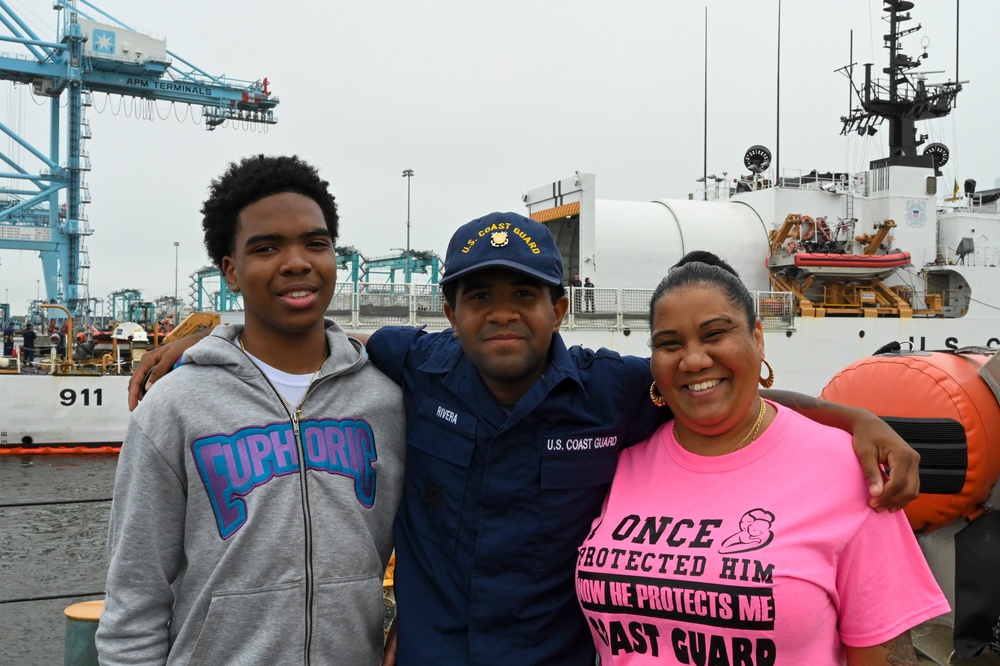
53	532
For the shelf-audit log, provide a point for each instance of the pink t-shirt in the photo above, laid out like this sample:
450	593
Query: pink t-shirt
769	555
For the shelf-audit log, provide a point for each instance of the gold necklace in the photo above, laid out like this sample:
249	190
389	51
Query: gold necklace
747	438
288	403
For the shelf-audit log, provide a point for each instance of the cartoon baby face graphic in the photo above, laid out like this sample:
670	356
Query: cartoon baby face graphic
755	532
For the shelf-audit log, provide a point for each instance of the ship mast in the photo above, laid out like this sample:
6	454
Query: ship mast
902	100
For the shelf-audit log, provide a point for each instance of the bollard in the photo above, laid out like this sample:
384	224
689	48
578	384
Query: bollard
81	629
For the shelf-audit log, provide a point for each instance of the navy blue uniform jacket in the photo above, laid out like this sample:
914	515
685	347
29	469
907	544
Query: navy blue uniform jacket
495	504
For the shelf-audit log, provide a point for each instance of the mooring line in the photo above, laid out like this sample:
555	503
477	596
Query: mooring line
53	502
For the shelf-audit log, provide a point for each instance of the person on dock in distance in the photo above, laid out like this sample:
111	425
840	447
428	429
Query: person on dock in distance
254	496
28	337
8	339
512	440
59	338
588	294
574	286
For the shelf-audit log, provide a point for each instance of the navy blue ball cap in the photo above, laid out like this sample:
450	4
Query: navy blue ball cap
505	240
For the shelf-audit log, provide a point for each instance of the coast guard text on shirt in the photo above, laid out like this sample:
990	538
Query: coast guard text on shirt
703	585
580	443
569	442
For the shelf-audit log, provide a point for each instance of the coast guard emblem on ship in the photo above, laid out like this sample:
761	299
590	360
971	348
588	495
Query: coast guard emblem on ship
916	213
499	239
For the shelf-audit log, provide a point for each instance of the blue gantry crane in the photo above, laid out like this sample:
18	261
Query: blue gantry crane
210	292
420	261
93	52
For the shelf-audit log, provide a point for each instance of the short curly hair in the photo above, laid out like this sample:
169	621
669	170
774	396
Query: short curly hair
247	182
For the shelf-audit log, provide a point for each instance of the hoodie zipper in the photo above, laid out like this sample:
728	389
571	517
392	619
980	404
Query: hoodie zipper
307	519
295	417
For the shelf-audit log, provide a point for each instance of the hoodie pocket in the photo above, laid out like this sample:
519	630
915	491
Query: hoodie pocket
349	621
262	626
267	626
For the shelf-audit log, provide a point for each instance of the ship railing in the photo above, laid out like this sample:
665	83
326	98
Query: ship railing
620	309
608	309
974	204
756	181
970	203
980	255
776	309
797	179
372	305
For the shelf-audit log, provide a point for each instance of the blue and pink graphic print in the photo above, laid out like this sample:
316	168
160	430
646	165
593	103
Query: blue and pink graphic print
231	466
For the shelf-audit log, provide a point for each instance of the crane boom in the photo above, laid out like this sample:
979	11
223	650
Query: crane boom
93	53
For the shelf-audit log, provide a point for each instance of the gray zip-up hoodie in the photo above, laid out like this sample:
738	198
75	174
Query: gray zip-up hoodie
222	551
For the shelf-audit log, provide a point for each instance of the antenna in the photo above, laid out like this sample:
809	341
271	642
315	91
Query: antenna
957	40
777	105
850	73
704	134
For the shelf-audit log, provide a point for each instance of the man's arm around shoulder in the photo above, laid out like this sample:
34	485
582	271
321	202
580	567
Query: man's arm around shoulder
874	443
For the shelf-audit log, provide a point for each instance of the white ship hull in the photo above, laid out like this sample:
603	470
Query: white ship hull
78	410
64	411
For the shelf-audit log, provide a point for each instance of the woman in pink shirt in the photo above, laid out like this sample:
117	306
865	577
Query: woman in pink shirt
740	532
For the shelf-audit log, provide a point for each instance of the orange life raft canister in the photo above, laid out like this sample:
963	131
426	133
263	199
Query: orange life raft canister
943	408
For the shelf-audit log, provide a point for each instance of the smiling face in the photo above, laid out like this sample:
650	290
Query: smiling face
283	263
706	361
505	321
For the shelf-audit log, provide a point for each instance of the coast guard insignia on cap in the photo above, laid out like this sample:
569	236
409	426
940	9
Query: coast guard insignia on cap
499	239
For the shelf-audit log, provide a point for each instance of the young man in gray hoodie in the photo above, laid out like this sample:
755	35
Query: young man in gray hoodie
224	547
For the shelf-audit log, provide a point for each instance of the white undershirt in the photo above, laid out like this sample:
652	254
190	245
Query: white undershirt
291	387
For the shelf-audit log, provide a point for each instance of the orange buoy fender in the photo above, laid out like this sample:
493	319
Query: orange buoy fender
946	411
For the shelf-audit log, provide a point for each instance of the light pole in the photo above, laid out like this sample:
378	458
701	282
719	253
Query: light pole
177	305
407	174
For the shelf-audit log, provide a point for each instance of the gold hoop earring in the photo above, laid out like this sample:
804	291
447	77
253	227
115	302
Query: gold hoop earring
655	397
767	382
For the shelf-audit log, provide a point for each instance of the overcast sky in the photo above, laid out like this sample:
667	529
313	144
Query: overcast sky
484	100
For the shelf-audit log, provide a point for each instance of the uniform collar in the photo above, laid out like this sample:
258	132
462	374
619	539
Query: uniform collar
448	359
